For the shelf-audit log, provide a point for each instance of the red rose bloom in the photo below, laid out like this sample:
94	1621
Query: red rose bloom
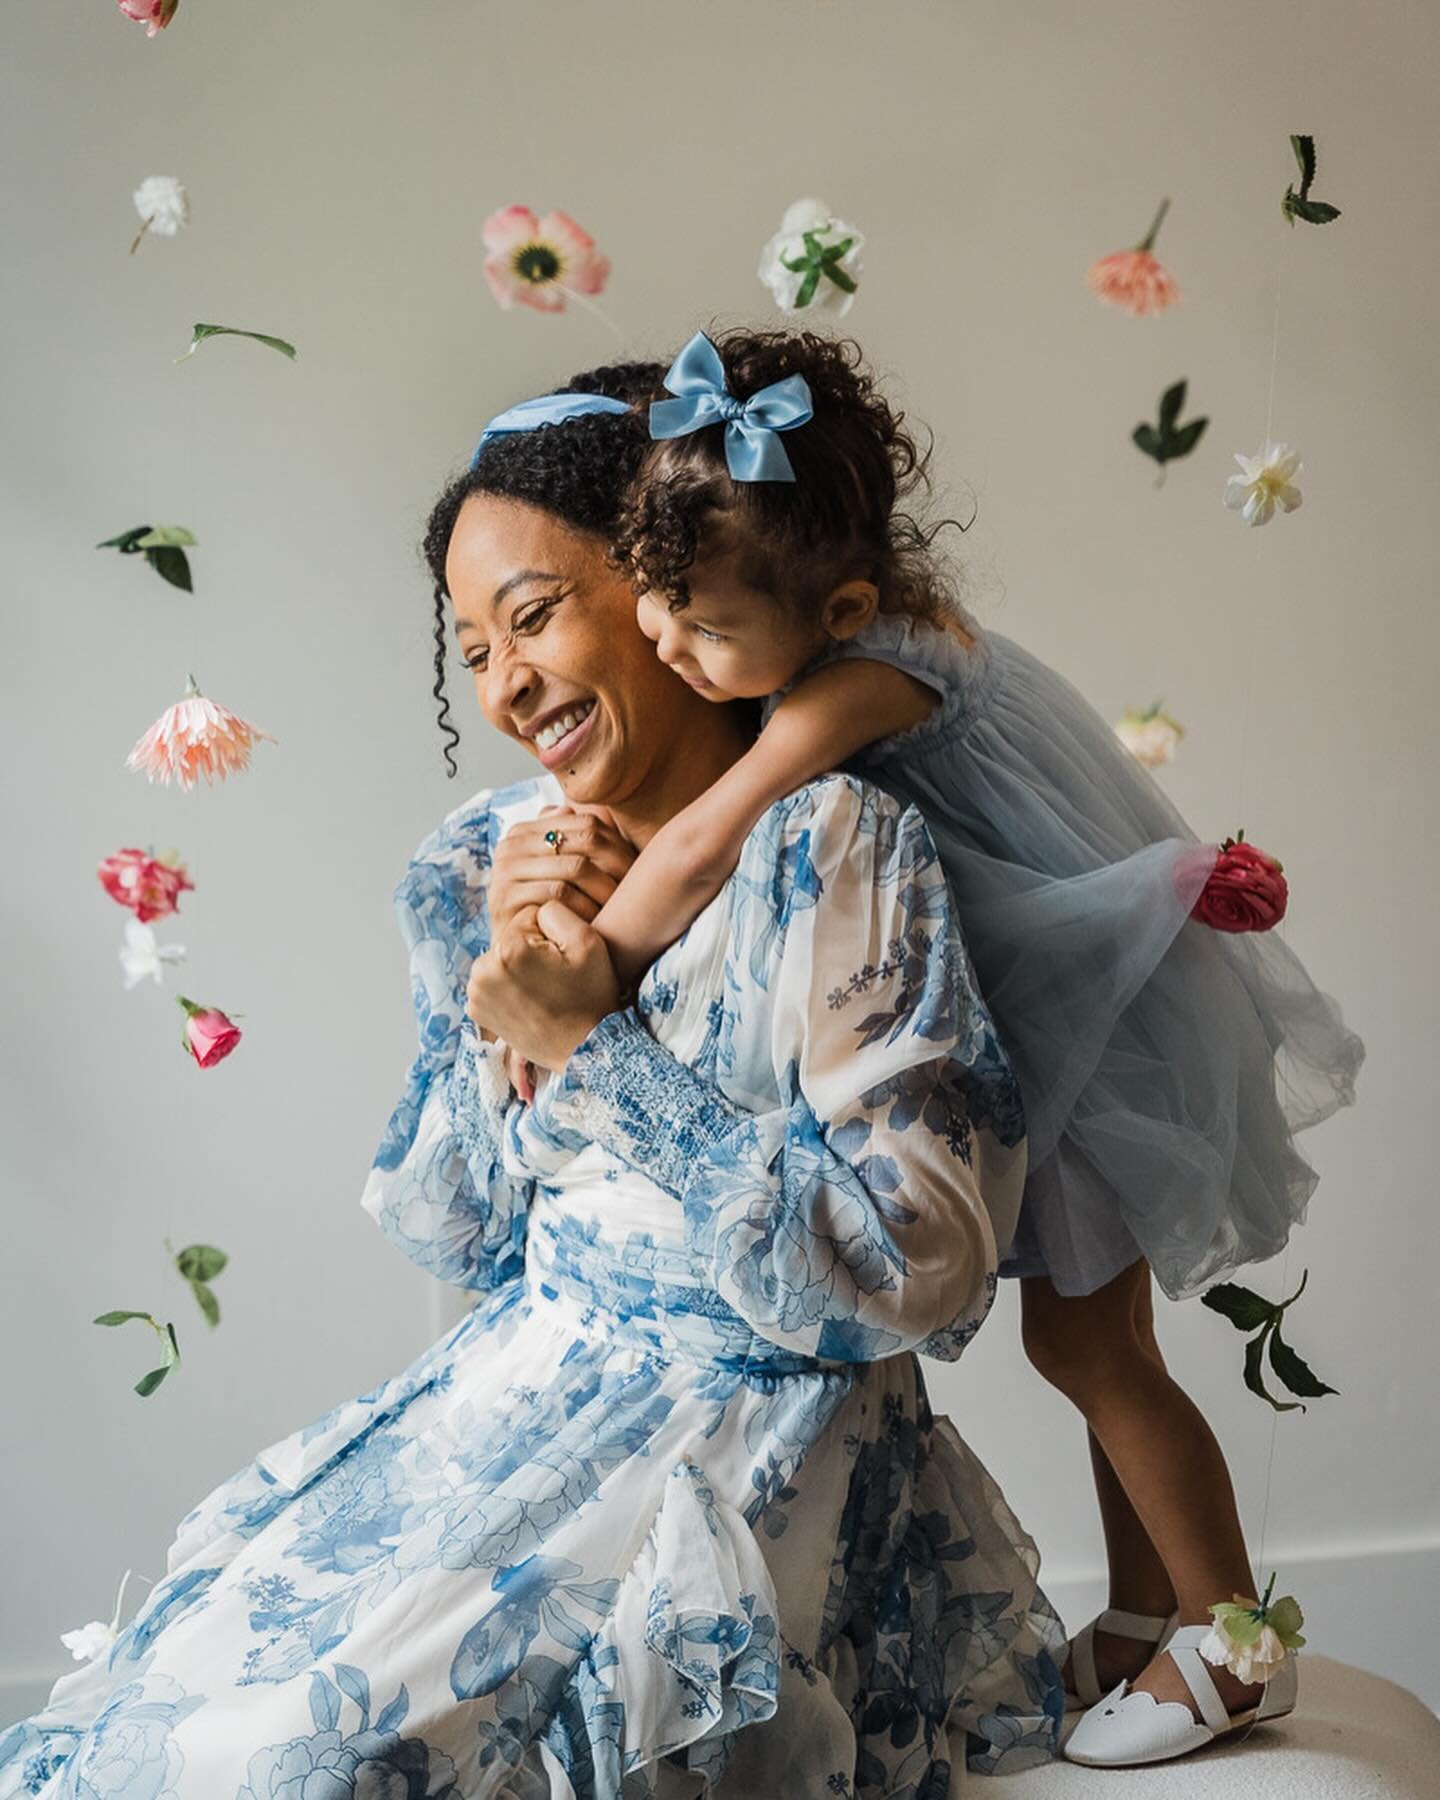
1246	891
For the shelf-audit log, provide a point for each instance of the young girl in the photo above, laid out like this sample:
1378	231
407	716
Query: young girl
1164	1066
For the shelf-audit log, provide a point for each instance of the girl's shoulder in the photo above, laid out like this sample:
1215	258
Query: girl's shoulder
954	656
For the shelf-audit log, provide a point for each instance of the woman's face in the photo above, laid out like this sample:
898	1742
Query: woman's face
560	665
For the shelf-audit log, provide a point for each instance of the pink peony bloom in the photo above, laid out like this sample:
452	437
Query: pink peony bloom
155	15
1246	890
1136	279
192	738
209	1035
150	888
536	261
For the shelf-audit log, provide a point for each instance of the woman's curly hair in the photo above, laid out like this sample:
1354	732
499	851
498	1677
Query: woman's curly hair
843	518
578	470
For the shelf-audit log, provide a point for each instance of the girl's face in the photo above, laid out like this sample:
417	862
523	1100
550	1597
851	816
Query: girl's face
731	642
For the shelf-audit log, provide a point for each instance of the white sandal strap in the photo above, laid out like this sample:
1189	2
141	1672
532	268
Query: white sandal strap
1184	1652
1120	1624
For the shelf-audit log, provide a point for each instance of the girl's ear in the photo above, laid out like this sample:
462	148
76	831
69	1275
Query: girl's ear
849	608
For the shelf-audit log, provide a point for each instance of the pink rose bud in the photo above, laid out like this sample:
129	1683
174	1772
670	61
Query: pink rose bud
149	887
209	1035
155	15
1246	890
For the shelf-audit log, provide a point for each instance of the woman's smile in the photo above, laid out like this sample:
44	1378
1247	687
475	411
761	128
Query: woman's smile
562	732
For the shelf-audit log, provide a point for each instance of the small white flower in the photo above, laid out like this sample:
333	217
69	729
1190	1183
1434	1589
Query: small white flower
163	204
1151	737
142	955
1268	480
87	1642
1257	1661
803	287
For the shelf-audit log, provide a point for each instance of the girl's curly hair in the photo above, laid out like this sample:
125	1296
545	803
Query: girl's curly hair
843	518
578	470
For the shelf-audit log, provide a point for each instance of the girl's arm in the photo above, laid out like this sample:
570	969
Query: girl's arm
828	717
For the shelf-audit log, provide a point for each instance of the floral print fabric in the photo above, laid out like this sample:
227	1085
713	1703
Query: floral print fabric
666	1514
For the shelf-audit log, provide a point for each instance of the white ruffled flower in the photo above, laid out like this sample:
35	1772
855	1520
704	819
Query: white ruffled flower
1151	737
821	276
1267	481
87	1642
163	204
141	954
1246	1662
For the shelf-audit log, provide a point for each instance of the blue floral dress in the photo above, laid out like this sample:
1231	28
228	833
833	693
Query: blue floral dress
666	1514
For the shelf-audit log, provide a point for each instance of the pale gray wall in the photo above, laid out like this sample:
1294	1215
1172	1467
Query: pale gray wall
341	159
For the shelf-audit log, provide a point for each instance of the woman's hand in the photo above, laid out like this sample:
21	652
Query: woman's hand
582	874
544	984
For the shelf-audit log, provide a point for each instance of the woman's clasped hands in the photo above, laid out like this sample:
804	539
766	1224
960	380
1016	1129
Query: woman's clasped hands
547	979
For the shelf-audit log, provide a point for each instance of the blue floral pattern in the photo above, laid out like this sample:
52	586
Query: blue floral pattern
666	1512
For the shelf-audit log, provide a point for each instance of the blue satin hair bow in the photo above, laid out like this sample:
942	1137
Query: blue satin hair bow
753	451
548	409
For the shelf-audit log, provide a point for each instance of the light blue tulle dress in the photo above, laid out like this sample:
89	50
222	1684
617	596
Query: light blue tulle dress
1165	1067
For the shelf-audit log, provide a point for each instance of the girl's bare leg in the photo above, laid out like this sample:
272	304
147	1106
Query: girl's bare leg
1171	1502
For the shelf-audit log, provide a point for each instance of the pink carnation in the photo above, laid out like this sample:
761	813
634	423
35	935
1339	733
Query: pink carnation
150	888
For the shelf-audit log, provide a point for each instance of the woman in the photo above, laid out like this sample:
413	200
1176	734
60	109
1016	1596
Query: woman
666	1514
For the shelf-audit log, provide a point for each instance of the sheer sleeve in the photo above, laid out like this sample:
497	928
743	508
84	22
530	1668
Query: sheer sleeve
437	1188
847	1169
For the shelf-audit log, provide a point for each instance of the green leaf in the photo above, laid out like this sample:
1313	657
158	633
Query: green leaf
172	563
1254	1377
208	1304
167	534
1287	1618
1243	1628
1294	1371
841	279
1304	147
261	337
1148	440
1314	212
1171	402
200	1262
1187	437
1245	1310
147	1384
119	1318
128	542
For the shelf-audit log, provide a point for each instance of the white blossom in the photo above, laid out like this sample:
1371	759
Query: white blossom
1267	480
141	954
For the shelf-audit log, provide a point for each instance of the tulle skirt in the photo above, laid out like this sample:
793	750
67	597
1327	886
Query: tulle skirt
1165	1067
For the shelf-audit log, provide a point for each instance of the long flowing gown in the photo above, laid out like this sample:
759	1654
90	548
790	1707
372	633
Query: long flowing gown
666	1513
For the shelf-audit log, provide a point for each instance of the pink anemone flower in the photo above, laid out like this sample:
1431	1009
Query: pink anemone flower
195	737
1136	279
537	261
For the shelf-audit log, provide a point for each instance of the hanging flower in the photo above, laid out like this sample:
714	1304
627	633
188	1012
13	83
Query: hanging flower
1267	481
1151	737
149	885
1136	279
195	737
208	1034
87	1642
811	263
142	955
539	261
163	205
1245	891
1252	1639
155	15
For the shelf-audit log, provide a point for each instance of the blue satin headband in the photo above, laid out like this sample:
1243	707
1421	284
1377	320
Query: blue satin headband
753	451
549	409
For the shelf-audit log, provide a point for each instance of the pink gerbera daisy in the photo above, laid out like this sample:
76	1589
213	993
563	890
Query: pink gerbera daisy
1136	279
539	261
192	738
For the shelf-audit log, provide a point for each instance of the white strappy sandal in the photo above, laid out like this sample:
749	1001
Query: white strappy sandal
1140	1626
1126	1729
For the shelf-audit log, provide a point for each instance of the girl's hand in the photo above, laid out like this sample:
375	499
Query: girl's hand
520	1072
544	984
581	875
